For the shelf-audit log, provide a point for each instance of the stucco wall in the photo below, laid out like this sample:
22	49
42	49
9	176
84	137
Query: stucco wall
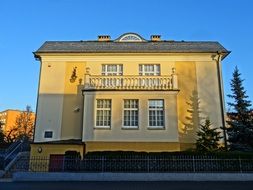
71	127
133	146
48	149
58	97
143	133
60	101
188	117
50	100
208	92
198	98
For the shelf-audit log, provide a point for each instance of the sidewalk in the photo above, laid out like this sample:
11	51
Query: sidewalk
6	180
54	176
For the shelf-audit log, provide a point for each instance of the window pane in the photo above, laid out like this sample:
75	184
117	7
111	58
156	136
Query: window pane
135	104
112	69
157	69
152	104
140	70
156	113
159	104
103	113
99	103
103	69
126	104
149	69
120	69
48	134
130	113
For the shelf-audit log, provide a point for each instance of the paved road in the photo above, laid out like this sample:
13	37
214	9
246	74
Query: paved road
126	185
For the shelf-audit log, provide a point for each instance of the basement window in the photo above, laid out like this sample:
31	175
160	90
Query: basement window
48	134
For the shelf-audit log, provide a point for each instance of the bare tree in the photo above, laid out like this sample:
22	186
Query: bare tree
1	135
24	126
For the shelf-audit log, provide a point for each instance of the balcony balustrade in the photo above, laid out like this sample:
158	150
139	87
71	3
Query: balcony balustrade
130	82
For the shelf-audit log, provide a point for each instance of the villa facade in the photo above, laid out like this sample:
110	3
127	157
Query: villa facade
128	94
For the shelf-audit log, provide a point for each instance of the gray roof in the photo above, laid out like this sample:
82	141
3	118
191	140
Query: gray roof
131	47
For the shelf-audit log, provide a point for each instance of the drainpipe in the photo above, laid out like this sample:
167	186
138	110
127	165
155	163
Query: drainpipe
222	102
84	145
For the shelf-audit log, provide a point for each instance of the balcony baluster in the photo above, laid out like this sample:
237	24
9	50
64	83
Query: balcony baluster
131	82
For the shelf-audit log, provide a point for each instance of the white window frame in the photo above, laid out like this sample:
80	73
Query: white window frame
118	72
130	109
156	110
103	109
143	71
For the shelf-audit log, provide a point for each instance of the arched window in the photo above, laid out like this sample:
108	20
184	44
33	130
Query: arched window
130	38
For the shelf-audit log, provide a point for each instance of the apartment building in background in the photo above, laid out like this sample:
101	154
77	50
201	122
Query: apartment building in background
8	121
8	118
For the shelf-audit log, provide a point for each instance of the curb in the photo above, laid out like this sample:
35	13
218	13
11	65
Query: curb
45	176
6	180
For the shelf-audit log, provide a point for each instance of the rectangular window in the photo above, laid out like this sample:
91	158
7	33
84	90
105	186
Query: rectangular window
156	114
131	109
112	69
103	113
48	134
149	69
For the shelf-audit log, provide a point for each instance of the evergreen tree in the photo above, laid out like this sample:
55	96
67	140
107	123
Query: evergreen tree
240	130
208	138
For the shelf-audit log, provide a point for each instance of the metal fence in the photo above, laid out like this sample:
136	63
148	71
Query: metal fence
8	154
144	164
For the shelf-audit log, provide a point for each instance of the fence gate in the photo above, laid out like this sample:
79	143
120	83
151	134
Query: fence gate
56	162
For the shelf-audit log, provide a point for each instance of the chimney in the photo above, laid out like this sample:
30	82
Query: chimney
104	38
155	38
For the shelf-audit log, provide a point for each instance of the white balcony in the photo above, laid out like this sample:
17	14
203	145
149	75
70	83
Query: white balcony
130	82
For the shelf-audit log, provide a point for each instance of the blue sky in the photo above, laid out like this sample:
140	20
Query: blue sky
26	24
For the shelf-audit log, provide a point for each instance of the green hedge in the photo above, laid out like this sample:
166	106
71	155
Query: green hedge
118	154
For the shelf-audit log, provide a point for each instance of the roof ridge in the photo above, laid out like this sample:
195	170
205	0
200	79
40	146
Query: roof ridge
112	41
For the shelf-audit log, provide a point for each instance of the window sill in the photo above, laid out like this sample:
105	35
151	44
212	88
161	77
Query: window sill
102	127
130	127
156	127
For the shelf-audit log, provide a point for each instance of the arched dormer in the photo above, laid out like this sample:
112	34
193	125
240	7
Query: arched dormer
130	37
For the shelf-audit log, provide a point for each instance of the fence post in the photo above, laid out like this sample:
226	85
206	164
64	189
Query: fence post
102	163
148	163
240	164
63	163
193	163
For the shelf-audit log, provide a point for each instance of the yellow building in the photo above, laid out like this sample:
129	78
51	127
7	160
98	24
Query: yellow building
128	94
8	119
